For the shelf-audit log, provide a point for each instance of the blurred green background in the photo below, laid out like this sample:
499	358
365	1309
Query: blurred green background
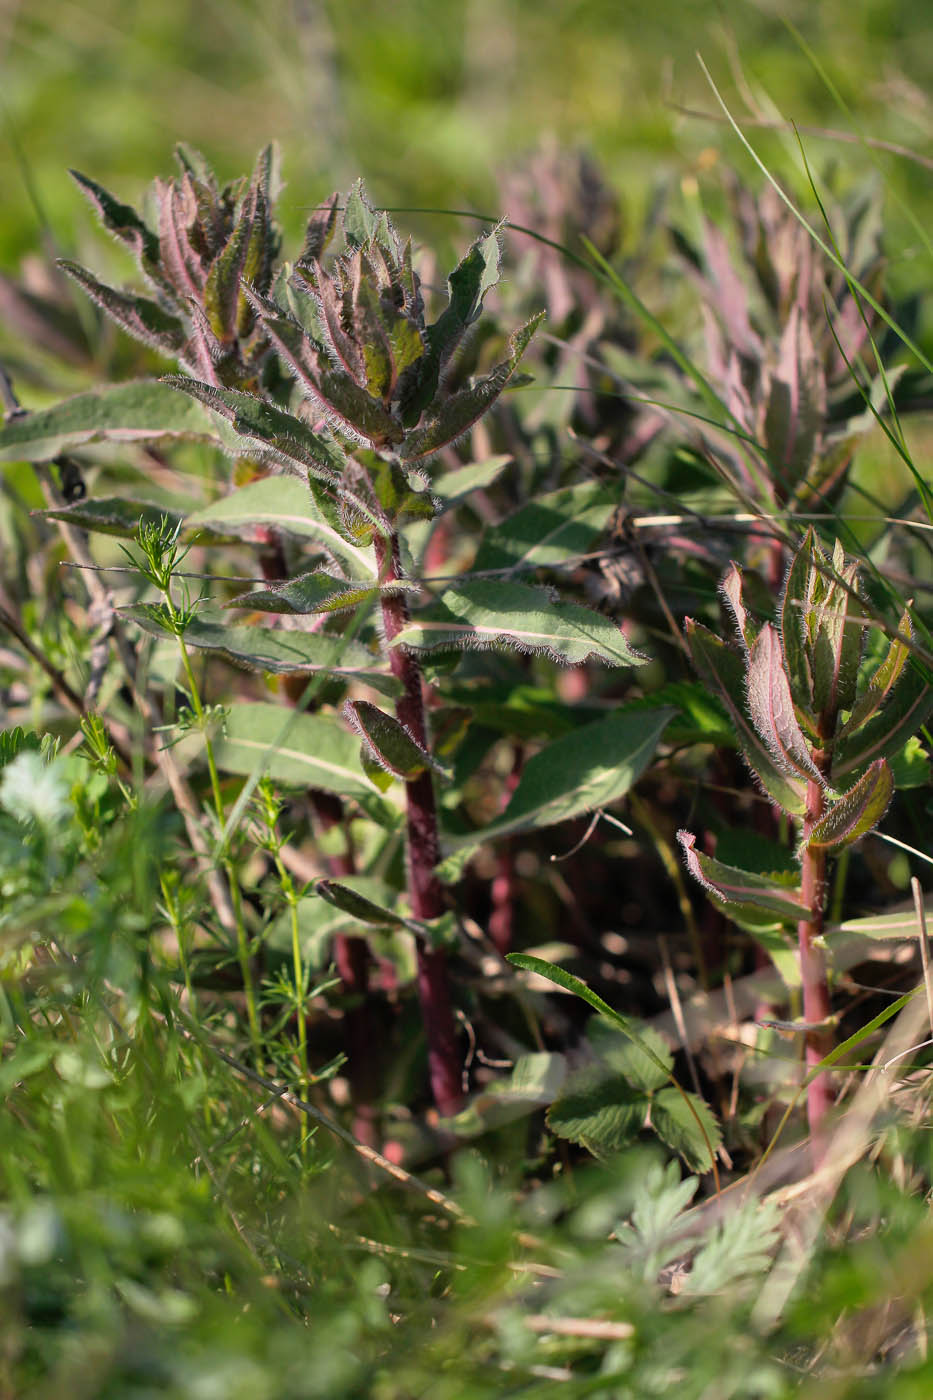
427	100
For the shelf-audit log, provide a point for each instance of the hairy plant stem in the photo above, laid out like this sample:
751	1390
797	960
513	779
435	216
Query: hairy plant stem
816	1002
425	892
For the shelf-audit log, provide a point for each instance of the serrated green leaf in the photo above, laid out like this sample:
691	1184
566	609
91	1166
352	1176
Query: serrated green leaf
142	410
548	529
591	767
775	893
856	813
486	612
599	1110
277	651
141	318
644	1059
689	1128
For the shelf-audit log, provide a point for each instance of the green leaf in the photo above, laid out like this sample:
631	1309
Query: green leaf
548	529
457	414
221	295
360	908
599	1110
316	592
791	624
775	893
856	813
142	410
120	220
388	741
276	433
685	1122
281	503
588	768
114	515
723	672
296	749
565	979
488	612
141	318
882	681
453	487
276	651
643	1059
888	729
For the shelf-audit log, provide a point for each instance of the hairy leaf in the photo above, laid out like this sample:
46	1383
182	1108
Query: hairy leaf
388	741
723	672
855	813
772	707
114	515
142	410
599	1110
141	318
687	1125
778	893
484	612
278	652
456	415
316	592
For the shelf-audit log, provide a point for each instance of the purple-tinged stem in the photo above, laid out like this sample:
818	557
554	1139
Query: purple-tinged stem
816	1002
425	892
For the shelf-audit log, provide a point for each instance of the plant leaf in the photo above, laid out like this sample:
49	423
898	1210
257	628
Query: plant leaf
142	410
590	767
882	681
457	414
599	1110
141	318
548	529
772	707
684	1121
113	515
888	729
775	893
856	813
388	741
486	612
315	592
723	672
276	651
296	749
281	503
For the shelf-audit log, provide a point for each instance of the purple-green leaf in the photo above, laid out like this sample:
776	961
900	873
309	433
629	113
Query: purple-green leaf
772	707
723	673
855	813
388	741
141	318
773	893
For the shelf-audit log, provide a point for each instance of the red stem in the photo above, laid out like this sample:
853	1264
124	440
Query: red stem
425	891
816	1002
